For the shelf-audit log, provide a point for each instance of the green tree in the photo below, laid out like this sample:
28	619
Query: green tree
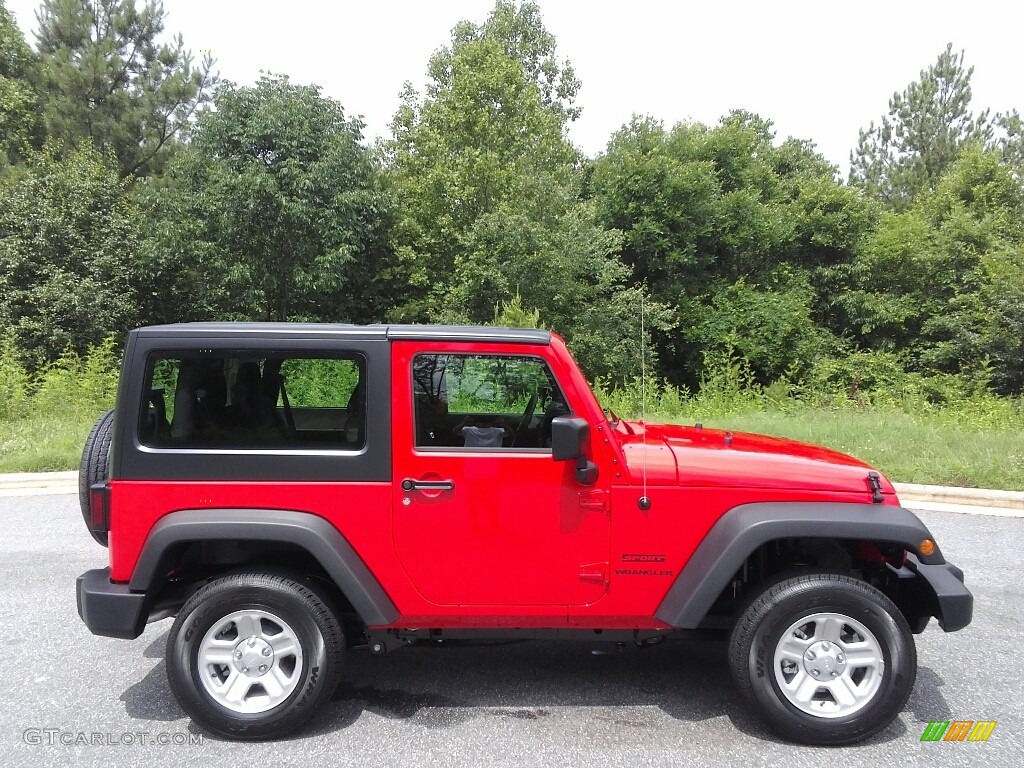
978	213
479	156
653	188
18	121
1010	141
939	283
771	326
273	212
900	278
488	189
916	143
1003	297
699	204
68	235
720	220
105	76
519	31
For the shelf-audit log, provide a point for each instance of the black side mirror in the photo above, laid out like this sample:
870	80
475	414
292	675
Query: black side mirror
568	439
568	436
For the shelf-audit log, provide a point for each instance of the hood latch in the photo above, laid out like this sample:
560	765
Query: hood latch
875	484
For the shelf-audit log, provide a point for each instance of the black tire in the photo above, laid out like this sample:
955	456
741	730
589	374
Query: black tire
306	612
95	466
785	603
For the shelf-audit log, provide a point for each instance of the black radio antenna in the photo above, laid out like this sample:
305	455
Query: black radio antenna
644	502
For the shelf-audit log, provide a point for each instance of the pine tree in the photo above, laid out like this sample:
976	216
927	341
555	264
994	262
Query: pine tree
104	75
921	137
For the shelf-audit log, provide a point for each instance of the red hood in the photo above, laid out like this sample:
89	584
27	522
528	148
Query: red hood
698	457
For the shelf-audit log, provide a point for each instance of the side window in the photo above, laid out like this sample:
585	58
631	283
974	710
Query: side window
245	400
484	401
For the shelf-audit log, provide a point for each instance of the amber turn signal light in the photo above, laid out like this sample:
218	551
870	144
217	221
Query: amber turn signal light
926	547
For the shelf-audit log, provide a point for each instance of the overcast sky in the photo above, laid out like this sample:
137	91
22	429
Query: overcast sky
820	70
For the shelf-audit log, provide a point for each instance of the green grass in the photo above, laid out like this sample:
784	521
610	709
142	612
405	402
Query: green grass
944	430
910	449
906	448
45	417
43	442
958	437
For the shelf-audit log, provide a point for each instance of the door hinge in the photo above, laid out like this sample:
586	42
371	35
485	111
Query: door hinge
595	499
597	572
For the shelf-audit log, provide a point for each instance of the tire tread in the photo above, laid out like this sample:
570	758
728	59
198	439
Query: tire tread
755	612
94	466
310	598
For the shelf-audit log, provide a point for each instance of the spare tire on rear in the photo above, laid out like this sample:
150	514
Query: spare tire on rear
94	467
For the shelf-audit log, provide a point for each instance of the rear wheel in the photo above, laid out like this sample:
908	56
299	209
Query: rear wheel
255	655
826	658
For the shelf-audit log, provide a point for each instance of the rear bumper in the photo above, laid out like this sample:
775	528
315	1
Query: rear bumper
954	603
109	609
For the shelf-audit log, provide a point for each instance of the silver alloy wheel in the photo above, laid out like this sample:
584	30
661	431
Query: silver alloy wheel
250	661
828	665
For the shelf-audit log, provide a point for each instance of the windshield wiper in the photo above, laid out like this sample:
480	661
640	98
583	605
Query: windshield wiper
613	419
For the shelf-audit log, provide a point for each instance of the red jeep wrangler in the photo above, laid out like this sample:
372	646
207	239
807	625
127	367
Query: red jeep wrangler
292	491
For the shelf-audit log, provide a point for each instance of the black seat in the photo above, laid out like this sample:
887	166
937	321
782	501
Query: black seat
200	397
355	415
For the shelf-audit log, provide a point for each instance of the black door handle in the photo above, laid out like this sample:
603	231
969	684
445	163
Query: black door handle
428	485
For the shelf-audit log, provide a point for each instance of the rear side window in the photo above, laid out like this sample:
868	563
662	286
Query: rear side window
246	401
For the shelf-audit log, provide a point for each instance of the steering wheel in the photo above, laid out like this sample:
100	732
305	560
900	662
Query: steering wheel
531	406
555	408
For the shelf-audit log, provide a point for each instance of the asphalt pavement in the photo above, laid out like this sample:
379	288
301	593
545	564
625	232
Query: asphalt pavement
69	698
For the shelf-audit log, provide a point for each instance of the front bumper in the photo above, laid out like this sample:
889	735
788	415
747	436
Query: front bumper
954	604
109	609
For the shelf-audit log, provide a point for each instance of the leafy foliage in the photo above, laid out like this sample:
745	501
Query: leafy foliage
512	314
761	276
68	232
731	231
488	189
482	153
274	205
519	31
771	326
14	381
939	283
78	385
1010	140
46	414
103	75
18	120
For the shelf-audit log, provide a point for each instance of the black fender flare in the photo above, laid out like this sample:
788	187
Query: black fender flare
741	530
312	533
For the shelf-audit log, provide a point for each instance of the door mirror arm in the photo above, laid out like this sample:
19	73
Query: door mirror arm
586	471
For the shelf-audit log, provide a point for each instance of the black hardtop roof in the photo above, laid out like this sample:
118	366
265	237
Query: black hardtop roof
482	333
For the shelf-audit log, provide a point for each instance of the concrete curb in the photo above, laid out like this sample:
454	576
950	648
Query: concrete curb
941	498
964	501
910	493
38	483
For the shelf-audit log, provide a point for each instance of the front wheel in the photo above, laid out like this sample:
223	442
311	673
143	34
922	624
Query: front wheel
254	655
826	658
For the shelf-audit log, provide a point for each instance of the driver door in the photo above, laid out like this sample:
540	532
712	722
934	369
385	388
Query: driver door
483	514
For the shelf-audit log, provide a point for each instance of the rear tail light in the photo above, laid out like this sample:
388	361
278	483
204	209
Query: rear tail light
99	509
